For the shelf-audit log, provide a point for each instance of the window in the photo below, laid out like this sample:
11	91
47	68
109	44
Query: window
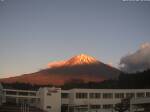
49	94
81	95
119	95
64	95
32	94
64	108
33	100
107	95
95	106
147	94
11	92
48	107
140	95
130	95
23	93
108	106
95	95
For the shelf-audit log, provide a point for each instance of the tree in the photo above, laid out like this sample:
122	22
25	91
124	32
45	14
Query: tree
123	105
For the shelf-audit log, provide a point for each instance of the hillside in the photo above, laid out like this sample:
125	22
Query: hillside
80	67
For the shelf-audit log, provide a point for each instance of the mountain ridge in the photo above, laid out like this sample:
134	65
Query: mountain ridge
80	67
75	60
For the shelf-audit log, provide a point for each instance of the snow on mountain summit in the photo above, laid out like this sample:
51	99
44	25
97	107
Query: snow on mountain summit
81	59
76	60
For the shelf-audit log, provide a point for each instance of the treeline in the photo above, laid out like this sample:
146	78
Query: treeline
23	86
139	80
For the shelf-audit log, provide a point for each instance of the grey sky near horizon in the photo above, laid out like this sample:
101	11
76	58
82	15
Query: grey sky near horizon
36	32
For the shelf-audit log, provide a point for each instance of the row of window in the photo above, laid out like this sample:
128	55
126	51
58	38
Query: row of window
110	95
48	107
20	93
94	106
64	95
105	106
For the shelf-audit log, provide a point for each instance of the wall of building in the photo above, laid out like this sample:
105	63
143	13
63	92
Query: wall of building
20	96
50	99
1	94
140	104
100	98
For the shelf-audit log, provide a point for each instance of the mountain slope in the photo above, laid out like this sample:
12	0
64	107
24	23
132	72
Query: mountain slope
81	67
76	60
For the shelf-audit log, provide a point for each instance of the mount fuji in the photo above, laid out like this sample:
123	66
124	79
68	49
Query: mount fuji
81	67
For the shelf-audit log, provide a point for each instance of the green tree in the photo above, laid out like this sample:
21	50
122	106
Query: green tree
123	105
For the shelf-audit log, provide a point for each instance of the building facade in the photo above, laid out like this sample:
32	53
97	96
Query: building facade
77	100
1	94
74	100
50	99
140	104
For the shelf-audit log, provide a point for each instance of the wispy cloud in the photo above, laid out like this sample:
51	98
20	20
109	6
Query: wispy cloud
138	61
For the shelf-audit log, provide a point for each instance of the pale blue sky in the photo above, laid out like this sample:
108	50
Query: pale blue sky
35	32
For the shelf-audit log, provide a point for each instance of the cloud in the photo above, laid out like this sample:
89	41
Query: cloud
110	64
2	0
56	64
138	61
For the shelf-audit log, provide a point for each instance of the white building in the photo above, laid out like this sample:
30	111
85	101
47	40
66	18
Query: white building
74	100
1	94
50	99
20	96
98	99
140	104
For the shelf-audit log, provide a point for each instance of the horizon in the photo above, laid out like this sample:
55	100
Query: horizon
34	33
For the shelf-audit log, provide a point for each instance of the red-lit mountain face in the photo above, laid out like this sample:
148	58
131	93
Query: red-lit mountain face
80	67
81	59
